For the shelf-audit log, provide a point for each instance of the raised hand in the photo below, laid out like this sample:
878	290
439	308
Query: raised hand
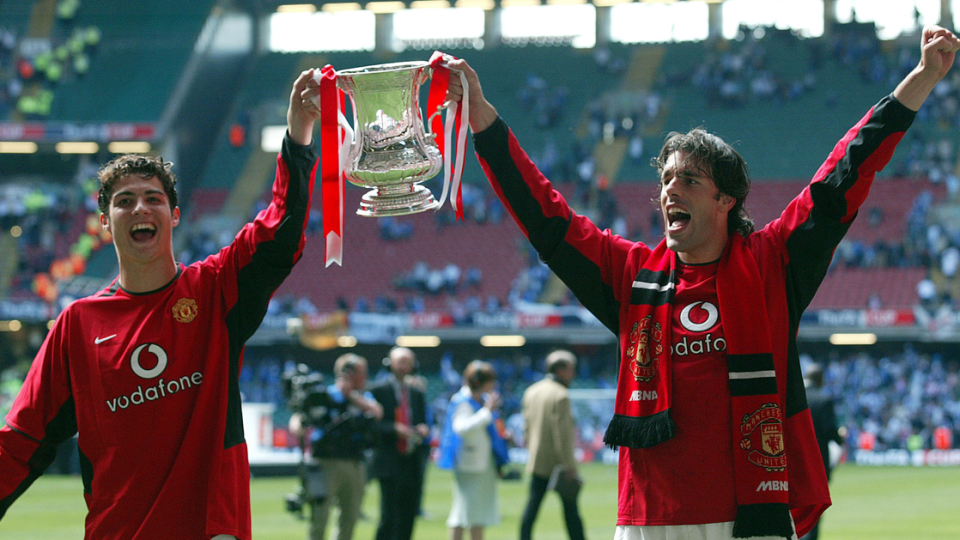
482	113
303	112
939	48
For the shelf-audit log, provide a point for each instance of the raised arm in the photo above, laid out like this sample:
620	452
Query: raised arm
265	250
814	223
589	261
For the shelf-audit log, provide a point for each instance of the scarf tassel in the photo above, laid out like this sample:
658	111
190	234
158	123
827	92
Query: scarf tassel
642	432
763	519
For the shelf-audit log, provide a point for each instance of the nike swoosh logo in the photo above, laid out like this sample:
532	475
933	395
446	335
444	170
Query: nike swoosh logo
98	340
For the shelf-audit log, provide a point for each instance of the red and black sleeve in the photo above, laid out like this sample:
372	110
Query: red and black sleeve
589	261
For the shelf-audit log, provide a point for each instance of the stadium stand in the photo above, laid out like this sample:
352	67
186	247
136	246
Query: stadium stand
144	48
559	101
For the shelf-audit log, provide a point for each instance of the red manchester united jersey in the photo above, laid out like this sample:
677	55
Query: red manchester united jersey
150	382
698	486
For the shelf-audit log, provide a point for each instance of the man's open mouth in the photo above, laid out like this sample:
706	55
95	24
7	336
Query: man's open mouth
677	217
143	231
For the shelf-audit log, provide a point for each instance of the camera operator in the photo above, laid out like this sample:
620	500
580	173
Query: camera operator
343	428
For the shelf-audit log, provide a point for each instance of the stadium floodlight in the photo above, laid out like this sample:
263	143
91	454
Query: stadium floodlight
129	147
345	6
418	341
10	326
503	341
519	3
347	341
429	4
296	8
385	7
18	147
77	147
486	5
853	339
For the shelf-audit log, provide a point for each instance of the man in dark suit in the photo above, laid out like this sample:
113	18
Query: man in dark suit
400	459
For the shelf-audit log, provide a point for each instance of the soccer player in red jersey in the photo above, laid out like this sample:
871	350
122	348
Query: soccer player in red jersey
711	418
146	371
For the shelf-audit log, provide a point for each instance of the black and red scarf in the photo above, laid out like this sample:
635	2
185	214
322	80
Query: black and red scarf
760	458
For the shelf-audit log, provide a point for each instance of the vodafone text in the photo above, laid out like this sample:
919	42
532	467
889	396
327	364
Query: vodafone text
706	345
162	389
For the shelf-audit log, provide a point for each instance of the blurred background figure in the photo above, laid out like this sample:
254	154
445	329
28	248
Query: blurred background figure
550	433
824	424
471	445
399	460
342	432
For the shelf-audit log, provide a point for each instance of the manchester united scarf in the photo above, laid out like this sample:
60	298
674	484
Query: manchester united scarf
759	455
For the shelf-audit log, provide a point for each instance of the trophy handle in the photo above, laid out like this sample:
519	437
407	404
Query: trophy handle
430	134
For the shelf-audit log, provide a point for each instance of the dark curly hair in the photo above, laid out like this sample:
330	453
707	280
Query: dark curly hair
142	166
718	160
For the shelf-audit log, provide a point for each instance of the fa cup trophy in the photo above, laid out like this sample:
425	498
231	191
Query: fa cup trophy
390	151
387	149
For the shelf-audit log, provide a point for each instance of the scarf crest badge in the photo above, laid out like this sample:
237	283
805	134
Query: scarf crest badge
762	439
645	338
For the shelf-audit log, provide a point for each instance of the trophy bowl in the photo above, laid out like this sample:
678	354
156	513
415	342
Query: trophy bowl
389	150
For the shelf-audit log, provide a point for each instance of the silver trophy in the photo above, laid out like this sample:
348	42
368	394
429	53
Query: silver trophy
388	149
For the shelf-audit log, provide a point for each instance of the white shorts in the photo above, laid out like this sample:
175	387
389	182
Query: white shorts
709	531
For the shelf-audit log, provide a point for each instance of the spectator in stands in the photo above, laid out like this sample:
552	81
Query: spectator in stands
710	253
163	344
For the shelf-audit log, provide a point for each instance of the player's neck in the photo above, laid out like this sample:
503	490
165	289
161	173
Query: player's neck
143	278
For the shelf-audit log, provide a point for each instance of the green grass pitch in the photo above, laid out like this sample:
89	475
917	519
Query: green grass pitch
875	503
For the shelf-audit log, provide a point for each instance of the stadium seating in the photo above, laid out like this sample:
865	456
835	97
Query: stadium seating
139	62
370	263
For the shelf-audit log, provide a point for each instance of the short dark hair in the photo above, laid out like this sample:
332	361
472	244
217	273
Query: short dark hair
142	166
718	160
478	373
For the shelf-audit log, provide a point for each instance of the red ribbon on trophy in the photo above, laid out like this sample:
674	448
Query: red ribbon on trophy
332	181
456	120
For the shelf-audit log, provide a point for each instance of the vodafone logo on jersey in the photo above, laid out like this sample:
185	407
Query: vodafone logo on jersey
698	318
705	312
151	354
157	351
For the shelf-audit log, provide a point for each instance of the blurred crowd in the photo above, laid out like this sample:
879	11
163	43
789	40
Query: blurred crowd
31	71
897	401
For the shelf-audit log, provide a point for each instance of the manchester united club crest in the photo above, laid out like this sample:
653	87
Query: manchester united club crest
645	349
185	310
763	438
